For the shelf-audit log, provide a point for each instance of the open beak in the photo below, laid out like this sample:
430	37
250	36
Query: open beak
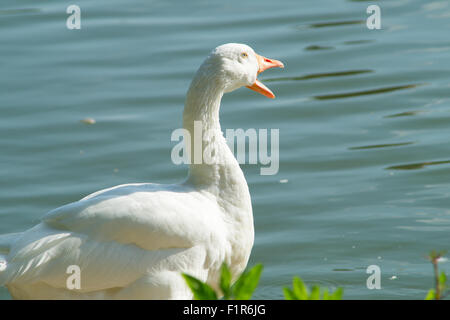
264	64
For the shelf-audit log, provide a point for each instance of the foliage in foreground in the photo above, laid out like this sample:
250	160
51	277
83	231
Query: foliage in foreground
241	290
440	279
301	292
246	284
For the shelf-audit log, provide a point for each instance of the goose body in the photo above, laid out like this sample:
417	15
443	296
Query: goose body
133	241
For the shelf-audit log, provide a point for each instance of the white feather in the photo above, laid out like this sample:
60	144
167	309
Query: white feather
134	241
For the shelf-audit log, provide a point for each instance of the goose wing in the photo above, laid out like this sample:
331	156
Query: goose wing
118	235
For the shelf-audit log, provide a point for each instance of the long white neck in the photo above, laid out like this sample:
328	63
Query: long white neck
220	172
223	179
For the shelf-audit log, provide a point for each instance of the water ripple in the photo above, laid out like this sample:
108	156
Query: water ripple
404	114
364	93
316	47
19	11
320	75
387	145
415	166
336	23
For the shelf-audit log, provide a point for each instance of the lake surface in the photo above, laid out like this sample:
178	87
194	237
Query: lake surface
363	117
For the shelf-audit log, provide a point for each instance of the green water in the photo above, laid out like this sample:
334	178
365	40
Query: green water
363	118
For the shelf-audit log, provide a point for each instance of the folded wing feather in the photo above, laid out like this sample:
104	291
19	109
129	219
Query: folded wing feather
118	235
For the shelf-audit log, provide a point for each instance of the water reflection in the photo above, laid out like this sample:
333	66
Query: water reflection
387	145
336	23
19	11
415	166
316	47
404	114
320	75
364	93
355	42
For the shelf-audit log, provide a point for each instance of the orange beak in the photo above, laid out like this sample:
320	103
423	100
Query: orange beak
264	64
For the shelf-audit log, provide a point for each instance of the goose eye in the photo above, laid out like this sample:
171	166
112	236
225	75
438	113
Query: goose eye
244	54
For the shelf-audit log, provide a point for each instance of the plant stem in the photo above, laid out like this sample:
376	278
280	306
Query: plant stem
434	258
436	276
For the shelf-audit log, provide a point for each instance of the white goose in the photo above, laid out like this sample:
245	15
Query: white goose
133	241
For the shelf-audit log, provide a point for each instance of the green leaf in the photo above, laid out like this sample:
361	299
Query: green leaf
289	294
225	281
247	283
300	292
315	293
201	290
442	278
300	289
431	295
326	296
337	295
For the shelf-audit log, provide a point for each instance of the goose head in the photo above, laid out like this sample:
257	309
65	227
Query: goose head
237	65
